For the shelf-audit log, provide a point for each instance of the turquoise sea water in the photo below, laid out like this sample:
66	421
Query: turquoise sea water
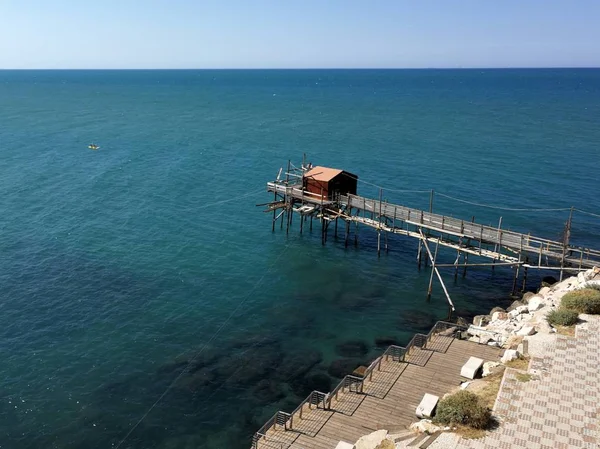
121	266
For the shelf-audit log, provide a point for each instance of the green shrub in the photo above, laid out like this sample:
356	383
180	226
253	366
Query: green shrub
586	300
463	408
562	317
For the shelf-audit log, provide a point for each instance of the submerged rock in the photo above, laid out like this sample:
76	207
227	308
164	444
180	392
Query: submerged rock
267	392
340	367
312	382
384	342
297	363
354	348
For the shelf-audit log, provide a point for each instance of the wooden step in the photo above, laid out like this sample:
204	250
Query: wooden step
429	441
417	441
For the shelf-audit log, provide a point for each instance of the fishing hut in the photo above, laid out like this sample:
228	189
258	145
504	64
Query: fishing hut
330	195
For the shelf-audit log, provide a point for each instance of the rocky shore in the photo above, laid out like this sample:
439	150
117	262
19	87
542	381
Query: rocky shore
526	317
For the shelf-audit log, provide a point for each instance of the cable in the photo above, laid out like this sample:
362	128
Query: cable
394	190
193	359
230	199
500	207
587	213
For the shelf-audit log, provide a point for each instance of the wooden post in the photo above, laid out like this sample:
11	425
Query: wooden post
347	230
335	231
525	275
274	210
496	244
565	243
419	254
432	270
301	222
466	256
311	218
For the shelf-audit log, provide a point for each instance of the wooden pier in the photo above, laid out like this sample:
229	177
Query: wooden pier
501	247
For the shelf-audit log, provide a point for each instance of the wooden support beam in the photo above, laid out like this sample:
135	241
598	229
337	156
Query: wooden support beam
432	270
424	239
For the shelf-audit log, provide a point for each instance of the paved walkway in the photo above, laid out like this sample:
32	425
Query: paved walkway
559	407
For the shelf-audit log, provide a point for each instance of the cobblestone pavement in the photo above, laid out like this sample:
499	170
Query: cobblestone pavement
556	405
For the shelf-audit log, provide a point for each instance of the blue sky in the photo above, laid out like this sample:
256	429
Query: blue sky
298	34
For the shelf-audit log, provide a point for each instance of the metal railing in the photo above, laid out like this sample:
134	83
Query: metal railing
355	384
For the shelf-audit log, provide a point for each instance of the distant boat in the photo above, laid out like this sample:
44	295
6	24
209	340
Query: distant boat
93	146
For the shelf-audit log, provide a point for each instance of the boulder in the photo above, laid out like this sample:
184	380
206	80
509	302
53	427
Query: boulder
544	291
526	330
513	313
535	303
425	426
514	305
527	296
372	440
481	320
522	309
497	309
499	316
488	368
509	354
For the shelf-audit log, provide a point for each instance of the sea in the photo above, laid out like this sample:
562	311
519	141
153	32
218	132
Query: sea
145	301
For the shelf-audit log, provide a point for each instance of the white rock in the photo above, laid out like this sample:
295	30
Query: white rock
535	303
372	440
581	277
510	354
544	291
513	313
424	425
488	367
499	316
522	309
527	330
493	343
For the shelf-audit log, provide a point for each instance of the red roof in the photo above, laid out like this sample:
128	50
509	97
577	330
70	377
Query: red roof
324	174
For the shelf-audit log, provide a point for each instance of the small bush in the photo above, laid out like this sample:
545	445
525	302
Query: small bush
463	408
586	300
562	317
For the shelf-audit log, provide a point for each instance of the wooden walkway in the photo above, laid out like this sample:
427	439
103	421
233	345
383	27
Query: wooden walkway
388	401
467	237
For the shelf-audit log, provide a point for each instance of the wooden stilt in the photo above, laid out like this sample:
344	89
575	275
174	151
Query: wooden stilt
347	234
311	218
419	254
499	239
335	231
274	213
524	278
466	259
432	270
301	222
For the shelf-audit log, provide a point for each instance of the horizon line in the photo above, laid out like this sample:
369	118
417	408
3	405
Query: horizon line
303	68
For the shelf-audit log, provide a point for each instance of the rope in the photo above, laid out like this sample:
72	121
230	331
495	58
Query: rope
230	199
587	213
503	208
393	190
193	359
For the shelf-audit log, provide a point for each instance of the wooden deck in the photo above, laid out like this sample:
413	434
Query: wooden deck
387	402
